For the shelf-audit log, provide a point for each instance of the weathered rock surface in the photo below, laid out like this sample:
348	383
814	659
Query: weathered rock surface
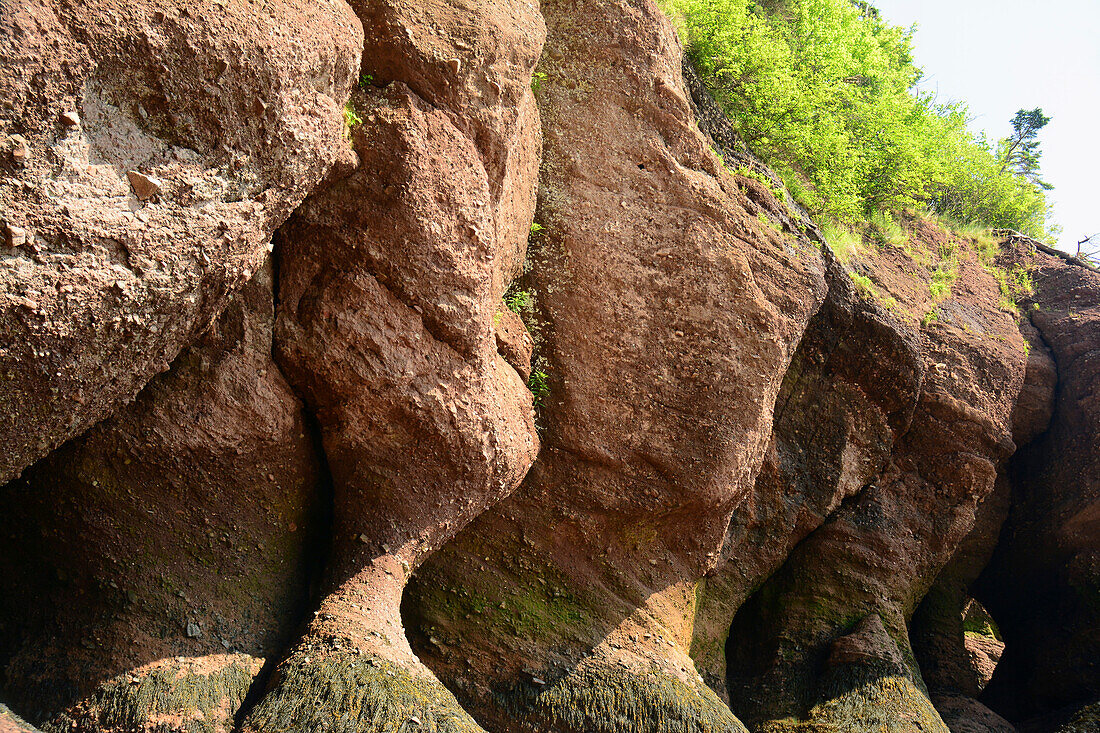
149	152
667	314
391	282
12	723
882	548
964	714
1086	720
770	485
947	655
1043	584
985	654
150	566
849	393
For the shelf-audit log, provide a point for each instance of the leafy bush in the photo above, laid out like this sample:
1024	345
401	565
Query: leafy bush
823	90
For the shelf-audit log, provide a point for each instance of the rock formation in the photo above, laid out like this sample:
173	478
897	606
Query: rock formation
882	548
1043	584
667	313
391	282
177	536
149	152
550	410
12	723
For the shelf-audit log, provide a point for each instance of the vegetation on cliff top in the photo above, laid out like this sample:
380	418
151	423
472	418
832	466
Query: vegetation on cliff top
825	91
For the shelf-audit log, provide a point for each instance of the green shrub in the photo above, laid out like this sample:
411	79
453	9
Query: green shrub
518	300
823	90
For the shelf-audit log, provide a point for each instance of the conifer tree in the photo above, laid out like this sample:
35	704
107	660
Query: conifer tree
1020	152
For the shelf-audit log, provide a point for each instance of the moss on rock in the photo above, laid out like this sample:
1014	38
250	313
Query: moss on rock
612	700
343	692
1087	720
169	697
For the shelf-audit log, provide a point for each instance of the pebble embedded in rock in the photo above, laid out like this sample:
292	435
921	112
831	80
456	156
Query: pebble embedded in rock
15	236
145	187
70	119
193	631
18	148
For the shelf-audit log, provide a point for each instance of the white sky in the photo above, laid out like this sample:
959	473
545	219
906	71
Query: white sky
999	56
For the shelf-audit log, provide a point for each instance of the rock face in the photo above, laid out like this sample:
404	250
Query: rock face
149	150
952	661
1043	584
176	535
666	314
964	714
850	392
677	469
883	546
392	279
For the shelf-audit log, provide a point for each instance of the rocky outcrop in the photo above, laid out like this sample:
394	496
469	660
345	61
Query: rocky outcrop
882	547
849	393
149	567
391	283
1043	584
667	311
149	150
964	714
679	467
947	655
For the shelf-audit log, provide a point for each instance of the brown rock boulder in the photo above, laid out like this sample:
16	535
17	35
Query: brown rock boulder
154	148
667	315
1043	584
150	566
391	280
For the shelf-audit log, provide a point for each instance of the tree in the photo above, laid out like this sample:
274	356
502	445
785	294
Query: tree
1020	152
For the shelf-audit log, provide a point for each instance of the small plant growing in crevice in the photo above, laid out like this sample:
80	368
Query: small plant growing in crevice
539	384
366	80
766	221
351	120
537	228
946	272
1014	285
518	300
537	80
747	172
